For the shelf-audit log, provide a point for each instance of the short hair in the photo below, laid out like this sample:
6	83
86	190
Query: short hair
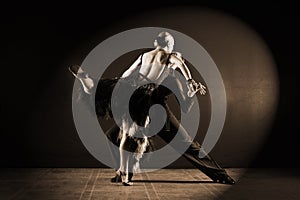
163	39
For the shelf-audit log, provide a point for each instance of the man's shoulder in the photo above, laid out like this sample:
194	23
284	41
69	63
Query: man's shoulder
176	55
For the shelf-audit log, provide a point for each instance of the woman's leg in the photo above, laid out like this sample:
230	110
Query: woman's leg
125	148
86	81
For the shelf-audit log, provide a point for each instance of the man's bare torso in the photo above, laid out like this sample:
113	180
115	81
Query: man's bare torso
153	63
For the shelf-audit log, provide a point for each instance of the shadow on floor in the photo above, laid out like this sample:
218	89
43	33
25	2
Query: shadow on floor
172	181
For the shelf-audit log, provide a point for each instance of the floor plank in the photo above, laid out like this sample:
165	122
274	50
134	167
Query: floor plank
94	184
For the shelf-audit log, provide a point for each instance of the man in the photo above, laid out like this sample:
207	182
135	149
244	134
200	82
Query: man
156	66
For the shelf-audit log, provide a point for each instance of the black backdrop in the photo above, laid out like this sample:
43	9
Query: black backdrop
39	41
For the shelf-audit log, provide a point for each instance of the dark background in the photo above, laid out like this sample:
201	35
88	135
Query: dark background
40	41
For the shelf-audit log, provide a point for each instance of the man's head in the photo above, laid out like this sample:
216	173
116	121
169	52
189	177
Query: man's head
165	40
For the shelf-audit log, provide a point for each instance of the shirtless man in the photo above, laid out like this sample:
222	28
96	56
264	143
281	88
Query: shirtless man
153	66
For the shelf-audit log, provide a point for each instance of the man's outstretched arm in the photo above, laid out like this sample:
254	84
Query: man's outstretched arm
178	63
192	85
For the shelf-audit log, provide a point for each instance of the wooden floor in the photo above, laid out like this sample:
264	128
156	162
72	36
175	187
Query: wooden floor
93	183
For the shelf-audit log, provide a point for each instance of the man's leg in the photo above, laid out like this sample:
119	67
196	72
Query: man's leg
206	164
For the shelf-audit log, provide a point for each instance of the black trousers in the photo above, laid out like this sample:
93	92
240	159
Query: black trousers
206	164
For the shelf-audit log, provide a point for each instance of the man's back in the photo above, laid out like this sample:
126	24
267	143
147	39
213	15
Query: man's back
153	63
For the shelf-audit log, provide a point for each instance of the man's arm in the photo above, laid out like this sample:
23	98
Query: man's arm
192	85
178	63
132	68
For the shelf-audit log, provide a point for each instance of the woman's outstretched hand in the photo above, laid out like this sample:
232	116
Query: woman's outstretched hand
194	87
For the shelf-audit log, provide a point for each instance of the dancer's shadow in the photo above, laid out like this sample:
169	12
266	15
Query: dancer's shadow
172	181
